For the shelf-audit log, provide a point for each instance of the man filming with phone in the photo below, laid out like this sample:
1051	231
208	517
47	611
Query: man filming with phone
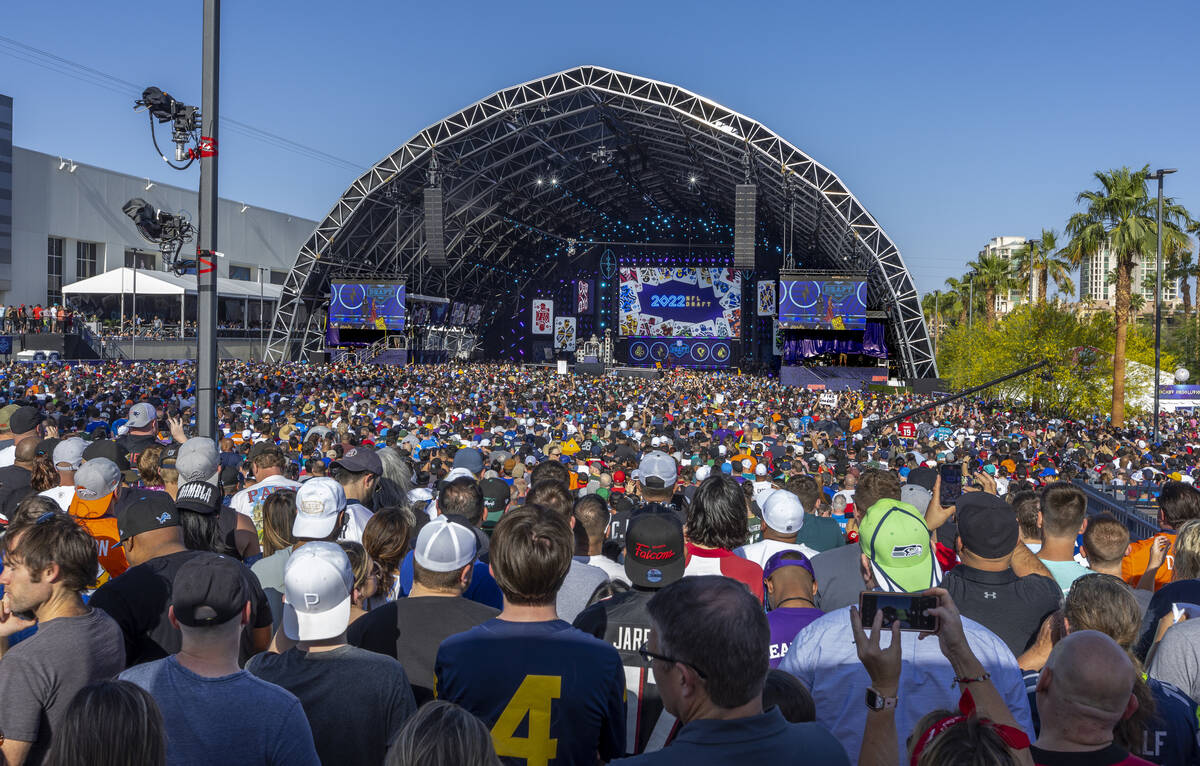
896	557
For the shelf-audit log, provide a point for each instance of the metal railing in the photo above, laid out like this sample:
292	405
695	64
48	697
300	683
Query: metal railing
1140	517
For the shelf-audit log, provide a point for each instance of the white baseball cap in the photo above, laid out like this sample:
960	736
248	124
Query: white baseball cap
68	454
318	503
703	472
444	546
783	512
317	586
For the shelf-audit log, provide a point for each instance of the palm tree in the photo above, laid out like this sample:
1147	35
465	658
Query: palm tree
957	295
1121	215
992	274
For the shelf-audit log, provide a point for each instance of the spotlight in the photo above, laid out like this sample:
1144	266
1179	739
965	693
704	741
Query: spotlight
540	182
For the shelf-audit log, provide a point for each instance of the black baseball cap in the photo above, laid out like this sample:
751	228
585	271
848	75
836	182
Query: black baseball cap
496	494
361	460
209	589
198	496
109	449
987	525
169	455
654	553
25	419
144	511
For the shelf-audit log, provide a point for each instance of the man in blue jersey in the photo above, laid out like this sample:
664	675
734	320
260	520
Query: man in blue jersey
551	694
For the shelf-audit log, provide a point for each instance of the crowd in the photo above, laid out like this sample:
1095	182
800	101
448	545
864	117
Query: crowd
484	564
36	318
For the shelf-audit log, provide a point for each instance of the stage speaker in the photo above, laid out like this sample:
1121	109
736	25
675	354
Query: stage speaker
435	238
745	200
318	357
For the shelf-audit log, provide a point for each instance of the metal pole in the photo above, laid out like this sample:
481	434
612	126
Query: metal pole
1158	265
260	313
206	248
937	320
971	304
135	322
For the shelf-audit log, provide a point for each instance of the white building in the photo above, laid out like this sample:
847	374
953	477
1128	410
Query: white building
1006	248
1094	283
61	221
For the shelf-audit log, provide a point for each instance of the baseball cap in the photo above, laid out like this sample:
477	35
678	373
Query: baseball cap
444	545
922	477
68	454
209	589
496	494
317	587
25	419
361	460
895	539
469	458
703	472
783	512
144	511
169	456
198	496
788	558
657	470
916	495
654	552
141	415
6	415
198	460
109	449
987	525
318	503
97	479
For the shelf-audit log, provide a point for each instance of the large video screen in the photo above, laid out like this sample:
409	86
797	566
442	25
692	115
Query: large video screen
367	305
682	302
823	304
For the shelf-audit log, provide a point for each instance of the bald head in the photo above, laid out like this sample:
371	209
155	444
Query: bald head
26	452
1086	688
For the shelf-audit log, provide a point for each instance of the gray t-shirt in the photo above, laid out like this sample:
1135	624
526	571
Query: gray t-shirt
839	577
582	581
269	572
236	720
356	700
1177	660
40	675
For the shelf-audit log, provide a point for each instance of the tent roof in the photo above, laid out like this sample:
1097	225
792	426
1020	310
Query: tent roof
165	283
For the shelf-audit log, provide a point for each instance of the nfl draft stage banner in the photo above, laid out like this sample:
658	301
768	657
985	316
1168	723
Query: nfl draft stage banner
564	334
681	302
679	352
543	316
766	299
583	297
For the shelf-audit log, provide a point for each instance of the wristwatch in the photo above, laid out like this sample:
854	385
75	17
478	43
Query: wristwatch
876	701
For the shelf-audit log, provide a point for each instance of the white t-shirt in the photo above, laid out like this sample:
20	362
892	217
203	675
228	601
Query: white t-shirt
764	549
357	516
615	571
250	500
61	495
8	456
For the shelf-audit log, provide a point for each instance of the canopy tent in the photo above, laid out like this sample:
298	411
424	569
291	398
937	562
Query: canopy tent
121	281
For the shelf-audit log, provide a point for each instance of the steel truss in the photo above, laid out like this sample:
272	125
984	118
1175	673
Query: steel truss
667	151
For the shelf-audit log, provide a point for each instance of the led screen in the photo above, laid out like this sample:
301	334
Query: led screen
368	305
823	304
680	302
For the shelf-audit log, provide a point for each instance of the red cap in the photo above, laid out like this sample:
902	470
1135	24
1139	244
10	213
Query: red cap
619	477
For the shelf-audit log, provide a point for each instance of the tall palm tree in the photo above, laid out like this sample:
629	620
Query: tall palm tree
1039	262
992	274
957	293
1122	215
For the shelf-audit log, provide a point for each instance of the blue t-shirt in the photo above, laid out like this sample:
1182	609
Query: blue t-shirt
234	719
548	692
483	588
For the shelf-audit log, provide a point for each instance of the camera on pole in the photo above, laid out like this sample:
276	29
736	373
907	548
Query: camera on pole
185	124
167	230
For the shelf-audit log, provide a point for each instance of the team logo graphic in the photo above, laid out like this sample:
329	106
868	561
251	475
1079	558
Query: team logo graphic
720	352
658	352
906	551
679	349
700	352
639	351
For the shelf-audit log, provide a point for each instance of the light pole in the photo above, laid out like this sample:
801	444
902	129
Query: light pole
1158	265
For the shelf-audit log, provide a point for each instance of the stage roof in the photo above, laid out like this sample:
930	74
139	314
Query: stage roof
535	173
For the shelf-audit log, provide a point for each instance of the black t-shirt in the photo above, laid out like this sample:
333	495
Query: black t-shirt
1113	755
134	444
411	629
624	622
138	601
14	487
1011	607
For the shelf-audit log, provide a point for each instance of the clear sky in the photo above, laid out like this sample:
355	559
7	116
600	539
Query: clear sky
953	122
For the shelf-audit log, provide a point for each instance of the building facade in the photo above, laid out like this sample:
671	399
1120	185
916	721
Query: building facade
1006	248
1095	286
61	221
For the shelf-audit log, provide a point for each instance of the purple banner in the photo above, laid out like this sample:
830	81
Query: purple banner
678	352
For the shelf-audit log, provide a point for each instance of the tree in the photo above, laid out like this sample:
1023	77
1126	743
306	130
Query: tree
958	297
1039	262
992	275
1181	267
1121	215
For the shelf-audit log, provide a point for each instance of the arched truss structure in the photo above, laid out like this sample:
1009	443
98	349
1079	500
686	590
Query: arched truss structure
616	146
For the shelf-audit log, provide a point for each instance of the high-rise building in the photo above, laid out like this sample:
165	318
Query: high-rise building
1095	286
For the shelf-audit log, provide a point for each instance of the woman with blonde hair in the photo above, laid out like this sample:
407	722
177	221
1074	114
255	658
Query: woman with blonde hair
443	734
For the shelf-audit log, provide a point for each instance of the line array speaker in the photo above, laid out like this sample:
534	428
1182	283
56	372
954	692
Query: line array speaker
435	238
745	200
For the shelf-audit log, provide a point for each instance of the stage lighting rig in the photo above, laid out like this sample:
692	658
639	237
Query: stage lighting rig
185	124
603	154
167	230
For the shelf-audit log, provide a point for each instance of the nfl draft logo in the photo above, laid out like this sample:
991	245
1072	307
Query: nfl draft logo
543	316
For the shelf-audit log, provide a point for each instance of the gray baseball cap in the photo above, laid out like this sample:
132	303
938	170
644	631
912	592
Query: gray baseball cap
198	460
97	478
68	454
141	415
657	470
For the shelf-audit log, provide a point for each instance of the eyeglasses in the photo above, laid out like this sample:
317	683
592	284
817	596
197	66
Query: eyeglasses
649	656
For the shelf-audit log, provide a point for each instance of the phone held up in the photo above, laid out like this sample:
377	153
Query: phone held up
951	474
908	609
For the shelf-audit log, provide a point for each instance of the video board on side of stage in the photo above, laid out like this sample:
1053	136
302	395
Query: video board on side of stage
375	305
833	303
680	302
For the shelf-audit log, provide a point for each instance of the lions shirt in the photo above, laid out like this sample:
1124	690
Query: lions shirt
550	694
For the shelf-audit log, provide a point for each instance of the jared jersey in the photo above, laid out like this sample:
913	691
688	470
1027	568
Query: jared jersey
550	694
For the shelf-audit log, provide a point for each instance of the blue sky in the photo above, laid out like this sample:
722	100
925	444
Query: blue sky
952	122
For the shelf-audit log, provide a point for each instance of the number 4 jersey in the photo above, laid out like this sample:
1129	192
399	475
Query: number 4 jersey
550	694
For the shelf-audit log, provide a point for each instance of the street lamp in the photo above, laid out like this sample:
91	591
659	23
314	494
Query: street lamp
1158	175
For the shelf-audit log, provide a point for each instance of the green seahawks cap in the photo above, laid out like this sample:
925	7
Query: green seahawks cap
894	537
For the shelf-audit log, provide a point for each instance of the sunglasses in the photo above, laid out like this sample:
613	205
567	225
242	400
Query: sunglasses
649	656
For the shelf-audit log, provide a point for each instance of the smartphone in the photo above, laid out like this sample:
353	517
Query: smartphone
951	483
907	609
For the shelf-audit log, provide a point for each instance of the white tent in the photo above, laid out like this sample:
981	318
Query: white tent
128	281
